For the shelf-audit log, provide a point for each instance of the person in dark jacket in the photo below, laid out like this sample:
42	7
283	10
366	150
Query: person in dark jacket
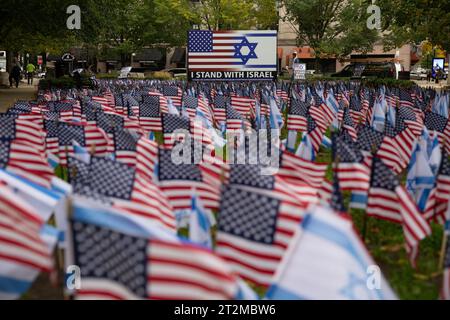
15	75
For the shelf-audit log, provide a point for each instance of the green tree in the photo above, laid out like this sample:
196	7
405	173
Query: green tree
331	27
225	14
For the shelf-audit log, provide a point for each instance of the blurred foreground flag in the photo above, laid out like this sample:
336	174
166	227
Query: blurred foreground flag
23	252
327	260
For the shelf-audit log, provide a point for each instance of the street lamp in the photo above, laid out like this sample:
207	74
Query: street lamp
132	58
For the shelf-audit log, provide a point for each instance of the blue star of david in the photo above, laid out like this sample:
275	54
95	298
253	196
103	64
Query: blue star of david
354	282
251	47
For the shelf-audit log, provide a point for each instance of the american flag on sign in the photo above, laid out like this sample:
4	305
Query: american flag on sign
230	50
118	265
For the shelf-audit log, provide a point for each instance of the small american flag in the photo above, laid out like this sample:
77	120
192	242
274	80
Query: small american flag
443	180
171	124
26	161
20	128
315	132
294	168
60	137
405	98
369	140
23	253
149	112
173	93
348	125
353	169
219	107
436	122
180	182
209	49
120	186
243	105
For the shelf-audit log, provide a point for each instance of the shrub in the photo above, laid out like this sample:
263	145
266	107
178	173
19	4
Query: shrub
160	75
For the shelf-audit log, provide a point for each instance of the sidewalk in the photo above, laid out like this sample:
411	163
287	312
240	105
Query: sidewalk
8	96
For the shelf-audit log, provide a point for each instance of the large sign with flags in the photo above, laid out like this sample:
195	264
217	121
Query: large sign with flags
232	55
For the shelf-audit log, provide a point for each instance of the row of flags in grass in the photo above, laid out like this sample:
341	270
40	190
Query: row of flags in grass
120	200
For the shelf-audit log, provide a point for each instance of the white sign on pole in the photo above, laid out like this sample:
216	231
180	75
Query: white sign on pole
299	71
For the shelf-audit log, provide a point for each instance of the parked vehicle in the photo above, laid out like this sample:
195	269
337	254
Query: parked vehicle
370	70
419	73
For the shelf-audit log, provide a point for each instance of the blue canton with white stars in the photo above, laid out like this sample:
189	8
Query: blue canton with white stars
248	215
200	41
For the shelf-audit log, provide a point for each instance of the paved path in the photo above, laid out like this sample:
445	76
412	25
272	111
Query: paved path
8	96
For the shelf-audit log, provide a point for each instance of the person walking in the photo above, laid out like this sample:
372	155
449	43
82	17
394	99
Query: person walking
30	73
294	62
15	75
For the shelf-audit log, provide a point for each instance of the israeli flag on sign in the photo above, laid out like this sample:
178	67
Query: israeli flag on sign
327	261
